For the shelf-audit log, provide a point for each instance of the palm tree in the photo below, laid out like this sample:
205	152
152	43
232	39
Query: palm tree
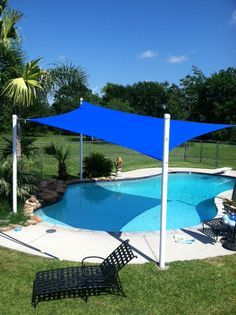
3	5
22	90
61	153
67	83
67	75
21	81
8	31
29	150
26	181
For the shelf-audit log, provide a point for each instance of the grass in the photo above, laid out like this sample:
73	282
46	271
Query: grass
195	287
207	155
194	154
7	216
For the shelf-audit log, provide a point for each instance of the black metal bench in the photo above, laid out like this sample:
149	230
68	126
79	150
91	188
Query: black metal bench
83	281
215	228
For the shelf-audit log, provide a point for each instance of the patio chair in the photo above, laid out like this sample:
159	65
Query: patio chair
215	228
83	281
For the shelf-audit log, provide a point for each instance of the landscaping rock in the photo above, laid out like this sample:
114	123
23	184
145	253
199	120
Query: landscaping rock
49	196
31	222
31	204
104	179
73	181
36	218
61	189
50	191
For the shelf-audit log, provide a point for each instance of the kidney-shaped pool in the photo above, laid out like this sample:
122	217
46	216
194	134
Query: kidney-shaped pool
134	205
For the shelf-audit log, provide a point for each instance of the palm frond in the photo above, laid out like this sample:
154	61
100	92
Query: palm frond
8	31
3	5
29	150
67	74
23	89
27	183
59	151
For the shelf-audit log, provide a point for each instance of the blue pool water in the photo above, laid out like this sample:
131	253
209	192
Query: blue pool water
135	205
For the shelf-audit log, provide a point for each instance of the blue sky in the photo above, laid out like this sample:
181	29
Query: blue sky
126	41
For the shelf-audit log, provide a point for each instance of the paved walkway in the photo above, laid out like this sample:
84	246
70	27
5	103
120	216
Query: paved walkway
75	244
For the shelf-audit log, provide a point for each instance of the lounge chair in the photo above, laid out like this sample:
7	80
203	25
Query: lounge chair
83	281
215	228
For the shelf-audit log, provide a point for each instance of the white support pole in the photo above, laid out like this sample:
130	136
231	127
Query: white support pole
164	189
81	156
81	149
14	163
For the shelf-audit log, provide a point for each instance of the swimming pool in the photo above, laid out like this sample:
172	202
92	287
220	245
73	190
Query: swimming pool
134	205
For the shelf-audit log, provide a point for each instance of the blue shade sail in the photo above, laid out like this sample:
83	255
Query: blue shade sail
140	133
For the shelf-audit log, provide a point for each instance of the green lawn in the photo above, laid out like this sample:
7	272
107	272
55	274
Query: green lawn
208	155
195	287
193	154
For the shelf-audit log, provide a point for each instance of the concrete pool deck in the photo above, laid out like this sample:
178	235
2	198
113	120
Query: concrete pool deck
74	244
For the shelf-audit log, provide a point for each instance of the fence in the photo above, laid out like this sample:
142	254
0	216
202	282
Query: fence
195	153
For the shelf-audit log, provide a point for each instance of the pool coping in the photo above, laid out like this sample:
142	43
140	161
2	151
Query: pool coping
74	244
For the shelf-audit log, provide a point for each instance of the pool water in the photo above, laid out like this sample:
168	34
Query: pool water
134	205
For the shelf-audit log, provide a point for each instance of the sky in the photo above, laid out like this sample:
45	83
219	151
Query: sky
127	41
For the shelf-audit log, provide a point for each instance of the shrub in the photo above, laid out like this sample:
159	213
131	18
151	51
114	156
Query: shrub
26	182
97	165
60	152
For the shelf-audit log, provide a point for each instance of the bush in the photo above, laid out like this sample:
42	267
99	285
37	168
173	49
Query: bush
97	165
60	152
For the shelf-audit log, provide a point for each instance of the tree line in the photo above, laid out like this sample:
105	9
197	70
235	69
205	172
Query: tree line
25	89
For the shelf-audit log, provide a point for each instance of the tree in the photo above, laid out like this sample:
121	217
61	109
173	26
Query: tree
176	105
145	98
220	101
22	89
8	19
61	153
29	149
149	98
114	91
20	81
193	89
10	57
26	181
120	105
211	99
69	83
3	5
220	97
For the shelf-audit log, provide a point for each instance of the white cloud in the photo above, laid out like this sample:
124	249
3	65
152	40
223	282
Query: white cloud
233	18
177	59
148	54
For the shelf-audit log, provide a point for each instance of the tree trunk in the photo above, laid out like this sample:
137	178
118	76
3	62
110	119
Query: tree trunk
62	170
18	141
